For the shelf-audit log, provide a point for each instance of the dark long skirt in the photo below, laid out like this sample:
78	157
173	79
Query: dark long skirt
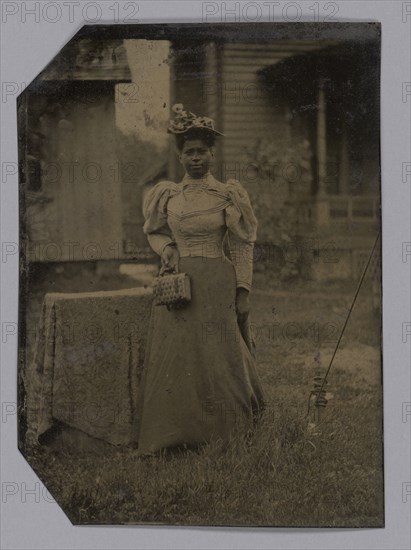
200	378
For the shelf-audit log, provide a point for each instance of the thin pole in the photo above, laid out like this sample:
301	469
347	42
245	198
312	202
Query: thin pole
347	318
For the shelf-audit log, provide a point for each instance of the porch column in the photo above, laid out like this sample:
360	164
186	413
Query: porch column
322	210
344	160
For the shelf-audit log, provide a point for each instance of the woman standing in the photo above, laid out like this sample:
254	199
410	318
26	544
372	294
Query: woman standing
200	378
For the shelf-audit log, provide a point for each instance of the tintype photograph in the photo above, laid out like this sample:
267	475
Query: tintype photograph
200	275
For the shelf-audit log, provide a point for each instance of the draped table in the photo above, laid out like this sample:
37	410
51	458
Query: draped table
88	359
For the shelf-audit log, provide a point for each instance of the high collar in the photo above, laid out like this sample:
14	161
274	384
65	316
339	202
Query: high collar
204	182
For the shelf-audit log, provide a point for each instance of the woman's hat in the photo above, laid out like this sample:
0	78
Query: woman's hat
185	121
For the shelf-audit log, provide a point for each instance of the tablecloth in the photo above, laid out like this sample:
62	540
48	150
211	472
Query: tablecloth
88	359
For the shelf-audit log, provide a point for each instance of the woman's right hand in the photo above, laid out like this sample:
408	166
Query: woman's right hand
169	258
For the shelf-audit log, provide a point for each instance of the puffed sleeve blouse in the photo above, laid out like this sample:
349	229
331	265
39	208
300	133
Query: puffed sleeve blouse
197	217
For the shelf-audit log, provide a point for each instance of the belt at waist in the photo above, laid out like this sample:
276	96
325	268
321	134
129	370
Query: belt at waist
202	250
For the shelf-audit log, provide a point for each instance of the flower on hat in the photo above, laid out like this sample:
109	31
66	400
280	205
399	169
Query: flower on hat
184	121
178	108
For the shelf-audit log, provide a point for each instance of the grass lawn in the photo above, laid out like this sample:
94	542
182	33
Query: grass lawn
290	472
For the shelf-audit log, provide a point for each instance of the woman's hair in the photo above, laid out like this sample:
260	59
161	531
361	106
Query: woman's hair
207	137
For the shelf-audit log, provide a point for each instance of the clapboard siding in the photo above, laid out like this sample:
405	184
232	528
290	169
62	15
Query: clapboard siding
248	111
81	185
230	92
237	108
210	87
303	45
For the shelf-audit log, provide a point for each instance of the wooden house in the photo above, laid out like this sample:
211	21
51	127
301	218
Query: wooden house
300	115
307	110
69	159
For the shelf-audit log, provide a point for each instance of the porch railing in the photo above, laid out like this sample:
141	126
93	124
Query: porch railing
364	208
340	208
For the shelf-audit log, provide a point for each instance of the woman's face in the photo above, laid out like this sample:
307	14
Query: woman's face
196	157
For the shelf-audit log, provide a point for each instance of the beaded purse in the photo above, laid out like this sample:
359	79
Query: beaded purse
172	289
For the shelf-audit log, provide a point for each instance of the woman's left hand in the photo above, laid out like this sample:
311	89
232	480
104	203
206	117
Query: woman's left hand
169	258
242	304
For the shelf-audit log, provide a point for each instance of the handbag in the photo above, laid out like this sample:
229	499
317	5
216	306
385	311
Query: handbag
171	289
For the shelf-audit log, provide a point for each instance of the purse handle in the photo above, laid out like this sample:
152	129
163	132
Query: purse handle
166	270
